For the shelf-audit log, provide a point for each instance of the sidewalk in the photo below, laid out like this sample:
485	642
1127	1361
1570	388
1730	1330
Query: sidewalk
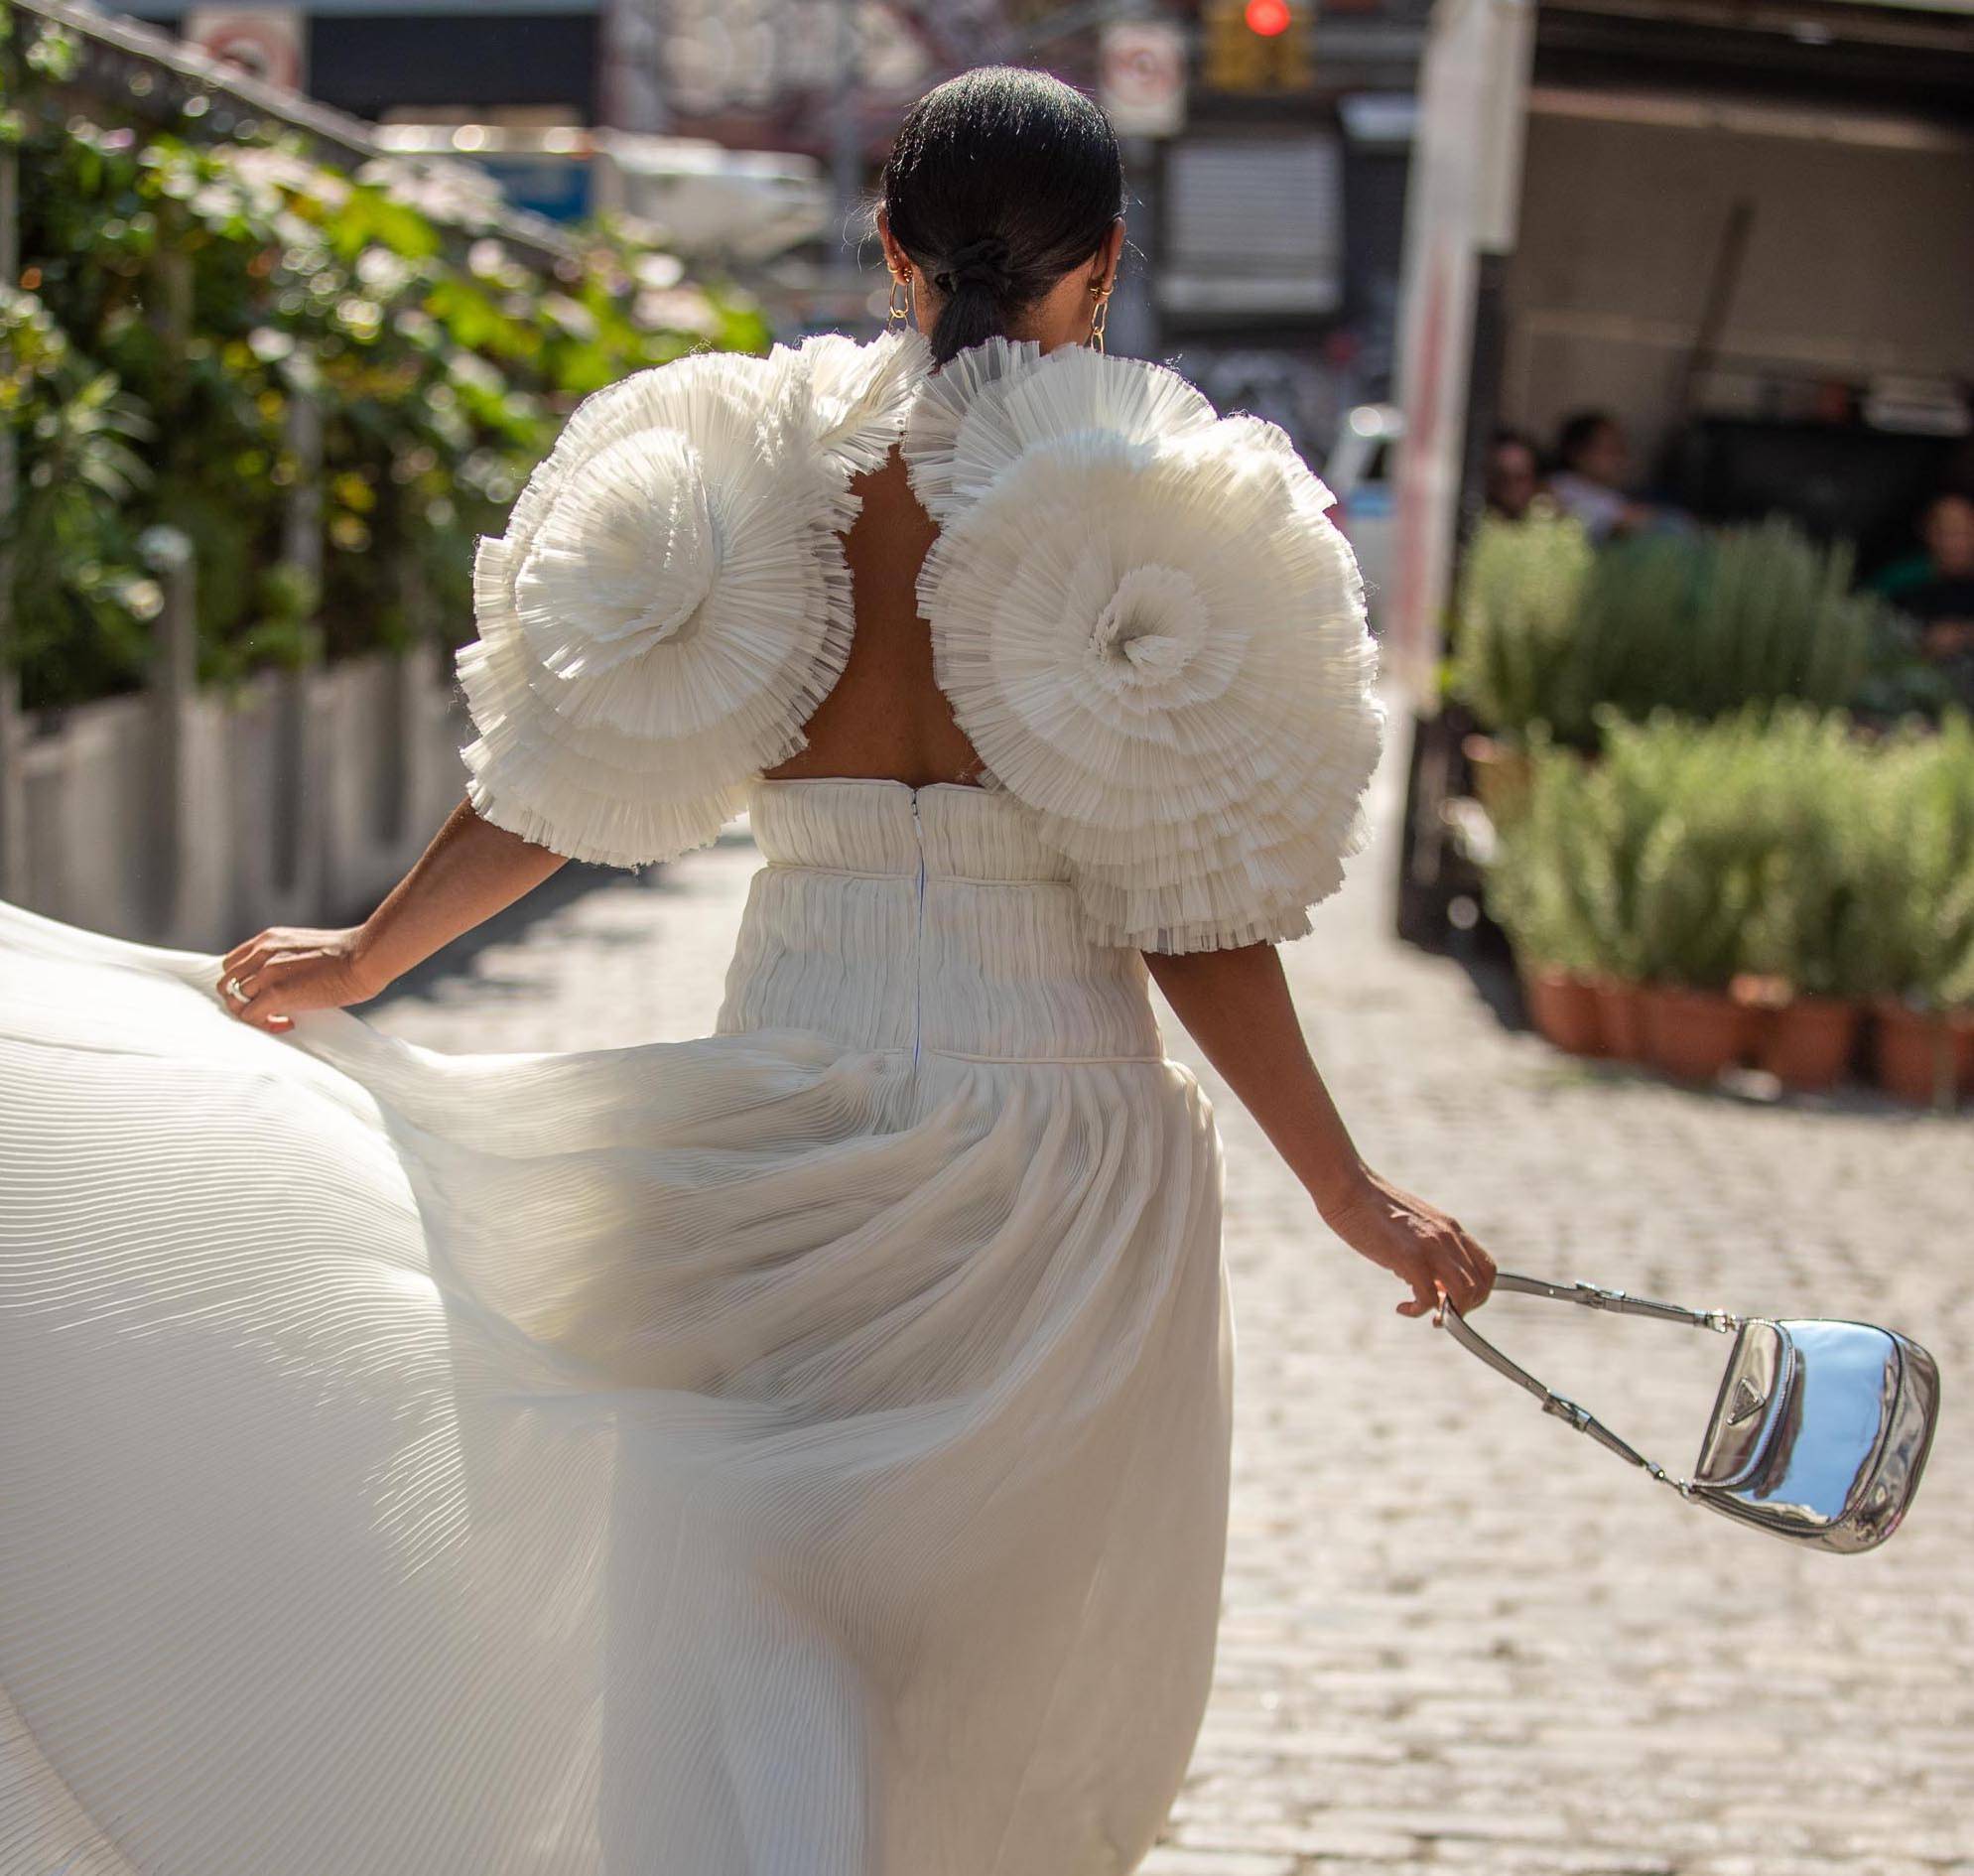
1456	1635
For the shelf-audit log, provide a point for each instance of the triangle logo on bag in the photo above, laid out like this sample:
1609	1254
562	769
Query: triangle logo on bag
1748	1398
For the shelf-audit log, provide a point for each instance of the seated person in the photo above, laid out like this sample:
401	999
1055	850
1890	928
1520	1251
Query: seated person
1937	590
1592	458
1514	479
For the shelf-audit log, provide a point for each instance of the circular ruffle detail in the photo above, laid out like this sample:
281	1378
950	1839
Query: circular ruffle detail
670	601
1155	637
861	393
978	412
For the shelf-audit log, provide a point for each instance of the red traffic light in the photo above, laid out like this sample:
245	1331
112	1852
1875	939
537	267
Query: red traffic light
1266	16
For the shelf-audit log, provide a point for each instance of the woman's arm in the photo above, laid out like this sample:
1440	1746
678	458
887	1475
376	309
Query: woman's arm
1235	1006
471	871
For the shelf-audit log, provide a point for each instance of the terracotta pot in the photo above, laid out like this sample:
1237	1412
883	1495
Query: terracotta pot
1806	1043
1619	1018
1501	776
1920	1057
1693	1035
1563	1009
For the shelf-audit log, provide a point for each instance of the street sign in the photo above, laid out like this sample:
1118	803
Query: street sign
1141	77
265	41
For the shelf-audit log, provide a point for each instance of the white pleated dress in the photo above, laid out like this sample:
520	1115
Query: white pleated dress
796	1452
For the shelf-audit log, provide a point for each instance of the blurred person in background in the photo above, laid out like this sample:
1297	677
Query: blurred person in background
1936	586
1934	592
1593	459
1515	475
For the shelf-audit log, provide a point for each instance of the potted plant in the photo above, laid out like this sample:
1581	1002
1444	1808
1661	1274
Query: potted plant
1520	604
1923	888
1809	942
1704	623
1628	814
1660	855
1696	875
1534	892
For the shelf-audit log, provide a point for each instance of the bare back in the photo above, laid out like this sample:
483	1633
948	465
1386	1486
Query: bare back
886	717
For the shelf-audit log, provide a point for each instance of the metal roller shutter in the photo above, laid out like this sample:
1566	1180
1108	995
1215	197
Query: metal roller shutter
1254	225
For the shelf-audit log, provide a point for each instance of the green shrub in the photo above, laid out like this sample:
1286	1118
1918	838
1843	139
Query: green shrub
1921	873
1537	888
1701	622
179	296
1815	921
1697	868
1773	841
1519	605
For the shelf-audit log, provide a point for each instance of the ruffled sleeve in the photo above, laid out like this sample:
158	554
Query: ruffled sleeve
670	601
1154	636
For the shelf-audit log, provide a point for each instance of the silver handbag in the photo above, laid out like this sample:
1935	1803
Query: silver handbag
1819	1431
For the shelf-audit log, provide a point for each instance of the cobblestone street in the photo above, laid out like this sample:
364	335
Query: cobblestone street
1457	1637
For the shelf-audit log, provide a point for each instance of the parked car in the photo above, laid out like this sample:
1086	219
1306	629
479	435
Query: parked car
1361	471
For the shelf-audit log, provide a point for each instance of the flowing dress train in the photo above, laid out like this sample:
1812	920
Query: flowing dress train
800	1451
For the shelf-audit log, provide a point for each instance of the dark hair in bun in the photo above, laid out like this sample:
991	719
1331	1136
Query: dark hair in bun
1000	181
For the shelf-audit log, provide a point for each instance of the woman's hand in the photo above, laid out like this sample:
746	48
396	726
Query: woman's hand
291	968
1419	1244
469	871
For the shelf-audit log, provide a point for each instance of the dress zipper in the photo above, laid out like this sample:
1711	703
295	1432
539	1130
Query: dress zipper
918	942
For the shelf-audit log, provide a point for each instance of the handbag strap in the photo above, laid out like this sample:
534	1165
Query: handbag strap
1591	1296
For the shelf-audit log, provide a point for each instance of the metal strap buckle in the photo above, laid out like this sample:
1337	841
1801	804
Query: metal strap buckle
1592	1296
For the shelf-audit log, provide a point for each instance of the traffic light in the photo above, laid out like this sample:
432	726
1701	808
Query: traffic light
1254	46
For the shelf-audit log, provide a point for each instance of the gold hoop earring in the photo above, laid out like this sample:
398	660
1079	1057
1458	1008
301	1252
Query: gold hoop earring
1097	322
896	313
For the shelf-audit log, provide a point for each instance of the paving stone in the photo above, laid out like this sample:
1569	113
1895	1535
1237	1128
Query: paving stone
1168	1860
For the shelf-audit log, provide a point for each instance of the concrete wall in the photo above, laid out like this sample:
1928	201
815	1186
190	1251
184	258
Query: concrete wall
302	800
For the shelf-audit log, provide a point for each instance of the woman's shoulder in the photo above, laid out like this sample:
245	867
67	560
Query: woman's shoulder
669	602
1141	613
845	397
1001	402
1152	632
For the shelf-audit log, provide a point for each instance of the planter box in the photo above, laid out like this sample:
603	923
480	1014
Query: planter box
1693	1035
1619	1018
1563	1009
1920	1057
1806	1042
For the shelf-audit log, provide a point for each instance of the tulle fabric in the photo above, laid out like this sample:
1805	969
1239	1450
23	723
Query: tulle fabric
670	601
795	1452
972	420
1153	635
1141	613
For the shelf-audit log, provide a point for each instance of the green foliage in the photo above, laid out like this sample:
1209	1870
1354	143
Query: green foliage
1701	622
1774	841
1704	623
180	296
1694	887
1816	921
1922	878
1519	605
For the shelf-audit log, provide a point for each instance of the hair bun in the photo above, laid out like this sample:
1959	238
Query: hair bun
981	263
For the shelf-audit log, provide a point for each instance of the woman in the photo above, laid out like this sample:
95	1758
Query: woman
800	1450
